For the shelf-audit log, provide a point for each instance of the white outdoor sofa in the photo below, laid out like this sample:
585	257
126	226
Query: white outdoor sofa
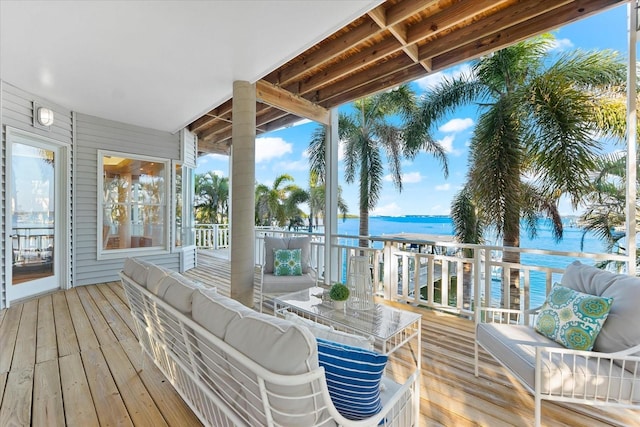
236	367
607	375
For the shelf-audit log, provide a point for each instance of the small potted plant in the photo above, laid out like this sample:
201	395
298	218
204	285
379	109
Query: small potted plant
338	294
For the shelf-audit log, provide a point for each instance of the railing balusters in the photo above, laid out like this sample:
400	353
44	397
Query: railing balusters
393	268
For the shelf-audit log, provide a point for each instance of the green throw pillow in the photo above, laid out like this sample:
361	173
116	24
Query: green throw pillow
286	262
572	318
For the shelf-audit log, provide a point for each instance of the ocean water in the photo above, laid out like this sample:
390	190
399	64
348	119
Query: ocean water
571	241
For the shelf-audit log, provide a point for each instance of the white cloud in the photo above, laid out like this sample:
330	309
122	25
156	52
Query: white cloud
217	172
439	210
433	80
561	44
443	187
456	125
298	165
271	148
447	144
212	158
411	177
407	178
387	210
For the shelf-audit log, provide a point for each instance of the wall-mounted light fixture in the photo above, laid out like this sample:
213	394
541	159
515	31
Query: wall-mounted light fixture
44	116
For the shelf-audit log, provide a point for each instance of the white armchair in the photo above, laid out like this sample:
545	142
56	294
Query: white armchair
607	375
273	285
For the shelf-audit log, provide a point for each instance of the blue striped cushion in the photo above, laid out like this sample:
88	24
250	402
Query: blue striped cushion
353	377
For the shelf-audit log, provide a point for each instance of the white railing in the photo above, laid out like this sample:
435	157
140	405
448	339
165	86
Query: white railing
447	275
212	236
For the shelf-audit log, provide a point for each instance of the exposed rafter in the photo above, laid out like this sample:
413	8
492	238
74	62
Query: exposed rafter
399	41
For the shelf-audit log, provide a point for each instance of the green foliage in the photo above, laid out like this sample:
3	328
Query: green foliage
339	292
370	136
211	198
535	138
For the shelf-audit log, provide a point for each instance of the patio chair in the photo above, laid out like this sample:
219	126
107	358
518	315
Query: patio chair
278	279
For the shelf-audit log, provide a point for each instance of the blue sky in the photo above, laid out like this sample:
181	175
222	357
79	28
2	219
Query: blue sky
425	190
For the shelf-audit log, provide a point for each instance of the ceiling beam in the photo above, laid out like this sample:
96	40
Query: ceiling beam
489	25
271	94
524	30
329	51
449	17
224	111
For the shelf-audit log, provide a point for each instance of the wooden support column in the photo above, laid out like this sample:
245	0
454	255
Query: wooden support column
242	173
331	200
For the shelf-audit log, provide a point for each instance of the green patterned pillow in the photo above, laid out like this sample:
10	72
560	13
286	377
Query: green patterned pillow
286	262
572	318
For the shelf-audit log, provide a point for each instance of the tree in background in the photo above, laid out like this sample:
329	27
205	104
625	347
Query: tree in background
606	204
211	198
370	135
271	202
535	139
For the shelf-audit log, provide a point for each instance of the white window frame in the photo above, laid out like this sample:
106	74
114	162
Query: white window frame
140	251
188	190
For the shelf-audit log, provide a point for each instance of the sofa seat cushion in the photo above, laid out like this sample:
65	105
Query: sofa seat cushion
621	330
285	284
515	347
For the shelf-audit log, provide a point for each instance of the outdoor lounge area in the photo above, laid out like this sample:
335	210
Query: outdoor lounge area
103	127
72	358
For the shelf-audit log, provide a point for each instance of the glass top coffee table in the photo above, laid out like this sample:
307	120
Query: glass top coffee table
390	327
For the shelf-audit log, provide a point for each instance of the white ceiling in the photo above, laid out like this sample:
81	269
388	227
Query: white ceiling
158	64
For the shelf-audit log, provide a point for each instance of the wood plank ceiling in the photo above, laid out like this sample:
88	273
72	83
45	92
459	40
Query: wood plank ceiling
397	42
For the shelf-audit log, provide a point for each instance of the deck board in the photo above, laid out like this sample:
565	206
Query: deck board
48	408
101	377
65	333
47	347
107	400
75	389
8	335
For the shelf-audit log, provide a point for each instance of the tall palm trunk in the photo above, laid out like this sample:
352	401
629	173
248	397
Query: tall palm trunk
364	226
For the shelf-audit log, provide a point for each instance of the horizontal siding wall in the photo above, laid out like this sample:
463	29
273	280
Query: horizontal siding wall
93	134
16	111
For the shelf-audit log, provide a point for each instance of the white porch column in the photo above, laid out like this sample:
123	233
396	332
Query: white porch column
331	200
631	138
242	173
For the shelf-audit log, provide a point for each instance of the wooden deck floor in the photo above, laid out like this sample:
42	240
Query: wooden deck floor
71	358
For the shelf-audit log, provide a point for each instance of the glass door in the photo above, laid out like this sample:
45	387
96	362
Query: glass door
33	209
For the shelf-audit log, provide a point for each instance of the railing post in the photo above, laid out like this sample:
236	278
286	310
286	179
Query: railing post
477	269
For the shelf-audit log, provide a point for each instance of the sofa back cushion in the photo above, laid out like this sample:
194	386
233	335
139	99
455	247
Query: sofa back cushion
137	270
214	312
621	330
283	348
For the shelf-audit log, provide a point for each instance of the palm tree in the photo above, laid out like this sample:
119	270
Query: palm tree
534	139
211	198
271	201
606	204
366	134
